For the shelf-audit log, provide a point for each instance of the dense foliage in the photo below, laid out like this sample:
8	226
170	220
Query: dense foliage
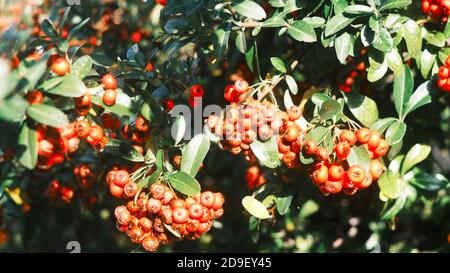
203	126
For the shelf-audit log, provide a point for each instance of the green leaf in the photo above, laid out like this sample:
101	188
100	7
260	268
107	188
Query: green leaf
28	142
375	73
389	183
178	128
160	159
266	152
274	21
395	207
394	60
77	28
427	60
318	134
32	75
151	179
330	109
359	156
153	111
447	30
302	31
363	108
47	115
287	100
384	41
395	132
124	150
420	97
241	43
70	86
403	87
250	9
382	124
359	9
221	38
278	64
309	208
319	98
428	182
283	204
343	46
395	4
48	28
337	23
82	66
194	153
255	208
117	108
413	38
292	84
315	21
415	155
437	39
184	183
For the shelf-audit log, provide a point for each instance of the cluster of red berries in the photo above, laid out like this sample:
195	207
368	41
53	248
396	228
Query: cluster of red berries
110	85
138	132
93	134
159	217
444	75
332	173
196	91
254	177
359	70
83	176
245	123
58	194
54	144
120	184
438	9
236	92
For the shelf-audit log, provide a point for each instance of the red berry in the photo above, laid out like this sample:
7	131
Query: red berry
443	72
348	136
121	178
180	215
154	205
207	199
195	211
335	172
109	97
342	150
109	82
197	91
60	67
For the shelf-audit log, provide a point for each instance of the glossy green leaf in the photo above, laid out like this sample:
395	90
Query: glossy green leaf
420	97
47	115
363	108
250	9
359	156
28	147
413	38
415	155
382	124
343	46
184	183
292	84
124	150
194	153
302	31
266	152
389	183
403	87
395	132
82	66
337	23
255	208
278	64
70	86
